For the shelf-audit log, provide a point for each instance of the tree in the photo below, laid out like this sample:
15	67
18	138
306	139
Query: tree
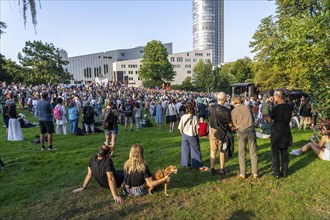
10	71
32	4
187	84
203	75
155	67
224	77
43	64
292	49
2	27
242	70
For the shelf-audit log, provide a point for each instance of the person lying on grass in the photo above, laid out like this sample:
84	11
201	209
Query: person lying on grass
137	174
321	149
101	168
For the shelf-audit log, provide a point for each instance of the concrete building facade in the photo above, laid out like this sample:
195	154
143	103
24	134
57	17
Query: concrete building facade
208	28
183	64
86	68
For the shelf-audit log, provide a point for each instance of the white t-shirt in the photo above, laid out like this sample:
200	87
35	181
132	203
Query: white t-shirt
191	126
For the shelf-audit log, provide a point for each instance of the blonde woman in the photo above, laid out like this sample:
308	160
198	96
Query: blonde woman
137	175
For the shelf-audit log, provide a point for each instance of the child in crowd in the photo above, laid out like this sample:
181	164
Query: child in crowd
203	129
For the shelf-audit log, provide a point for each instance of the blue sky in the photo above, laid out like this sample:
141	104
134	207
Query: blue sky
90	26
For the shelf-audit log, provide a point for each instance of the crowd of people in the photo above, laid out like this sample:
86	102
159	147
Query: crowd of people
213	115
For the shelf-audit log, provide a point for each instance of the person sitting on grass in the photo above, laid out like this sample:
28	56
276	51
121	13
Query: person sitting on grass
265	129
101	168
137	174
321	149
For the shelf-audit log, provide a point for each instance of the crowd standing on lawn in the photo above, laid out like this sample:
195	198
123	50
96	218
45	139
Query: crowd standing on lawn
192	110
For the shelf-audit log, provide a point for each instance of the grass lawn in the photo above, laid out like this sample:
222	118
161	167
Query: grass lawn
38	185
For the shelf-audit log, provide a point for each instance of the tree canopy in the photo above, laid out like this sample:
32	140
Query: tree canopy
155	64
292	49
203	75
42	63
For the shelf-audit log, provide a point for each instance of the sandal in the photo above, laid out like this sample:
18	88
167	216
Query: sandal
203	168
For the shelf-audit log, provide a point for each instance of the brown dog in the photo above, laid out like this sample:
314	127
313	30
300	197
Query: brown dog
160	174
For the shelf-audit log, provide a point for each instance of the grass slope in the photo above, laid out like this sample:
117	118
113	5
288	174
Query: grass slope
38	185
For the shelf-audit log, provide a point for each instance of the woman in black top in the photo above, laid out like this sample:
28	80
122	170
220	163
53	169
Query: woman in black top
281	137
137	175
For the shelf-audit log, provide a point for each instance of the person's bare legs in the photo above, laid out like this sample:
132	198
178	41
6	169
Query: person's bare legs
107	139
222	160
50	140
212	158
42	140
113	143
314	147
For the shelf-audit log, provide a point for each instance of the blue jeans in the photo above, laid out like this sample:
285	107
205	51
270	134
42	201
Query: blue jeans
73	126
190	148
138	122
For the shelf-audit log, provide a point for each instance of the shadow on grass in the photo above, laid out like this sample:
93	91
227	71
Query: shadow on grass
241	214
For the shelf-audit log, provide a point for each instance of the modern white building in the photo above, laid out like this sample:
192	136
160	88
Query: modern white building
183	64
208	28
86	68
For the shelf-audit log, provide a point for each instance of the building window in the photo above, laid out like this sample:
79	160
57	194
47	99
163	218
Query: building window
122	54
208	54
179	59
172	59
187	60
122	66
188	71
187	54
187	66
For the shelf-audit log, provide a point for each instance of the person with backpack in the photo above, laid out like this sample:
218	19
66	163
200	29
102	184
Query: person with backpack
60	117
88	118
128	110
110	125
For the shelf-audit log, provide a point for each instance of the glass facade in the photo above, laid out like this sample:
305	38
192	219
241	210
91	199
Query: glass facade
208	28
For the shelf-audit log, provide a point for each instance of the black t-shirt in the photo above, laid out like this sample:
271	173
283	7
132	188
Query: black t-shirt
220	117
99	169
137	179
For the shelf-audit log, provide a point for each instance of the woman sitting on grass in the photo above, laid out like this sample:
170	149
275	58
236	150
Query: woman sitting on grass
137	175
321	149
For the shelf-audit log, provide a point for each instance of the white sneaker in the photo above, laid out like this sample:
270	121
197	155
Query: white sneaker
295	152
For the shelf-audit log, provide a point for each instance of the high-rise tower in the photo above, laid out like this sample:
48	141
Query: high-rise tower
208	28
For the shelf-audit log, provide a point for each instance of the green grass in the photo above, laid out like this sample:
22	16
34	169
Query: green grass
38	185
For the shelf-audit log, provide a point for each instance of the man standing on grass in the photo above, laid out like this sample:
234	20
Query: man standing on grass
243	121
45	110
281	137
220	123
101	168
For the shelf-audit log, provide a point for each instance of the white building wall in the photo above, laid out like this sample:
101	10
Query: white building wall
183	64
86	67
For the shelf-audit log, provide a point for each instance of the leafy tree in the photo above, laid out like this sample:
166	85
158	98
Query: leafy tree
10	71
292	49
187	84
43	63
203	75
2	27
224	77
32	5
155	64
242	70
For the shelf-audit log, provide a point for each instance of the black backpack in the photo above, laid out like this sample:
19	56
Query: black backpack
108	119
89	112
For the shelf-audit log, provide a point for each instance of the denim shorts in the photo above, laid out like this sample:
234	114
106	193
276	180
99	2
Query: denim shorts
113	131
